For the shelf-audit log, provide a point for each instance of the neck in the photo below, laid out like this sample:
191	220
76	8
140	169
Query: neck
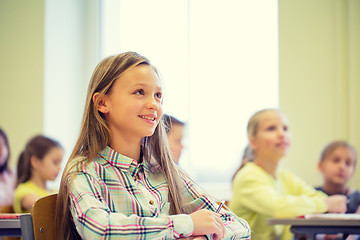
269	165
126	147
38	181
332	189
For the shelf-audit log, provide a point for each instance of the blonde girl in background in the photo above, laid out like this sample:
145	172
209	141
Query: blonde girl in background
39	163
120	181
337	165
261	189
7	175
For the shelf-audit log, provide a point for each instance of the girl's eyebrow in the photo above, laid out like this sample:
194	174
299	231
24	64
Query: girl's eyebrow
138	84
145	85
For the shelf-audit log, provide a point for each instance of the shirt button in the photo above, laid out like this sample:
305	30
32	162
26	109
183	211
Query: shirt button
151	202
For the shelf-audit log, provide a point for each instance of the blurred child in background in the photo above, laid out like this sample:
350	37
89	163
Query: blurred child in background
337	165
38	163
261	189
175	132
7	176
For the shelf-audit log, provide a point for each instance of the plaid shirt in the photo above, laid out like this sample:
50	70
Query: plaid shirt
114	197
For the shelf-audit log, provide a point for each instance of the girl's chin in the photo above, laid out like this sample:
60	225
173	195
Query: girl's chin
340	181
53	179
149	133
282	154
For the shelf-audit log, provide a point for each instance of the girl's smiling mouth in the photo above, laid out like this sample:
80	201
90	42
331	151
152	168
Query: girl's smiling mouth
151	118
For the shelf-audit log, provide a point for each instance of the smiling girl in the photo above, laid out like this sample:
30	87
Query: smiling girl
262	190
120	181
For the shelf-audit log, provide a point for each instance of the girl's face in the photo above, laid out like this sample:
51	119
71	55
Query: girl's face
4	151
134	104
338	166
49	166
273	138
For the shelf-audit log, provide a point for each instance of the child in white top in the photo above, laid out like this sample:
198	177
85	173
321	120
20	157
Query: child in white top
7	175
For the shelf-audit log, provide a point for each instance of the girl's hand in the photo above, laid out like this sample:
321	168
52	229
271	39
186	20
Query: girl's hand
207	222
336	203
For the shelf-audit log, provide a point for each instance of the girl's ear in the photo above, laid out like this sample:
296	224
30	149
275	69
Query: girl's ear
252	142
102	107
319	165
34	162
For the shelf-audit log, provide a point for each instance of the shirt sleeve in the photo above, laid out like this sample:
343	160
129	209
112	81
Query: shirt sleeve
236	228
259	194
94	220
22	191
353	203
19	194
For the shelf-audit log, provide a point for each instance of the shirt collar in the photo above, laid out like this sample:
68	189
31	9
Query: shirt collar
118	160
125	163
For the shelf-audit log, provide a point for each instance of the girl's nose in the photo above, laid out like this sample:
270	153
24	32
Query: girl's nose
281	132
152	103
342	165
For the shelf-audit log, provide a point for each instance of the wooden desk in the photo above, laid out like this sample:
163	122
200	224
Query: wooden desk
17	225
312	226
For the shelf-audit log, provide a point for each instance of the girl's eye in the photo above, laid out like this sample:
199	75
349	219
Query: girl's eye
349	162
158	95
140	92
271	128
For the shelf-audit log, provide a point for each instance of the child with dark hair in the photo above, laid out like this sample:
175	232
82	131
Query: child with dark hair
38	163
175	132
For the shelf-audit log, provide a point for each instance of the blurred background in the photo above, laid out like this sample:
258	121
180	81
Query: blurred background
221	61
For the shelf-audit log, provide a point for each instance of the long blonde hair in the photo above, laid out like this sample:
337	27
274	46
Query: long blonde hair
95	136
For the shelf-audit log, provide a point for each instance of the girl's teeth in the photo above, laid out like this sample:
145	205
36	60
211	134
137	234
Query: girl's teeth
149	118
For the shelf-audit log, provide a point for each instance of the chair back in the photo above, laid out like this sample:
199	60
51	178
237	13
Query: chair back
43	217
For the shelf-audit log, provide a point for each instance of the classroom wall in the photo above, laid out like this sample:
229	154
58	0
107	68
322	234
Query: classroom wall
21	71
319	56
70	36
319	75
